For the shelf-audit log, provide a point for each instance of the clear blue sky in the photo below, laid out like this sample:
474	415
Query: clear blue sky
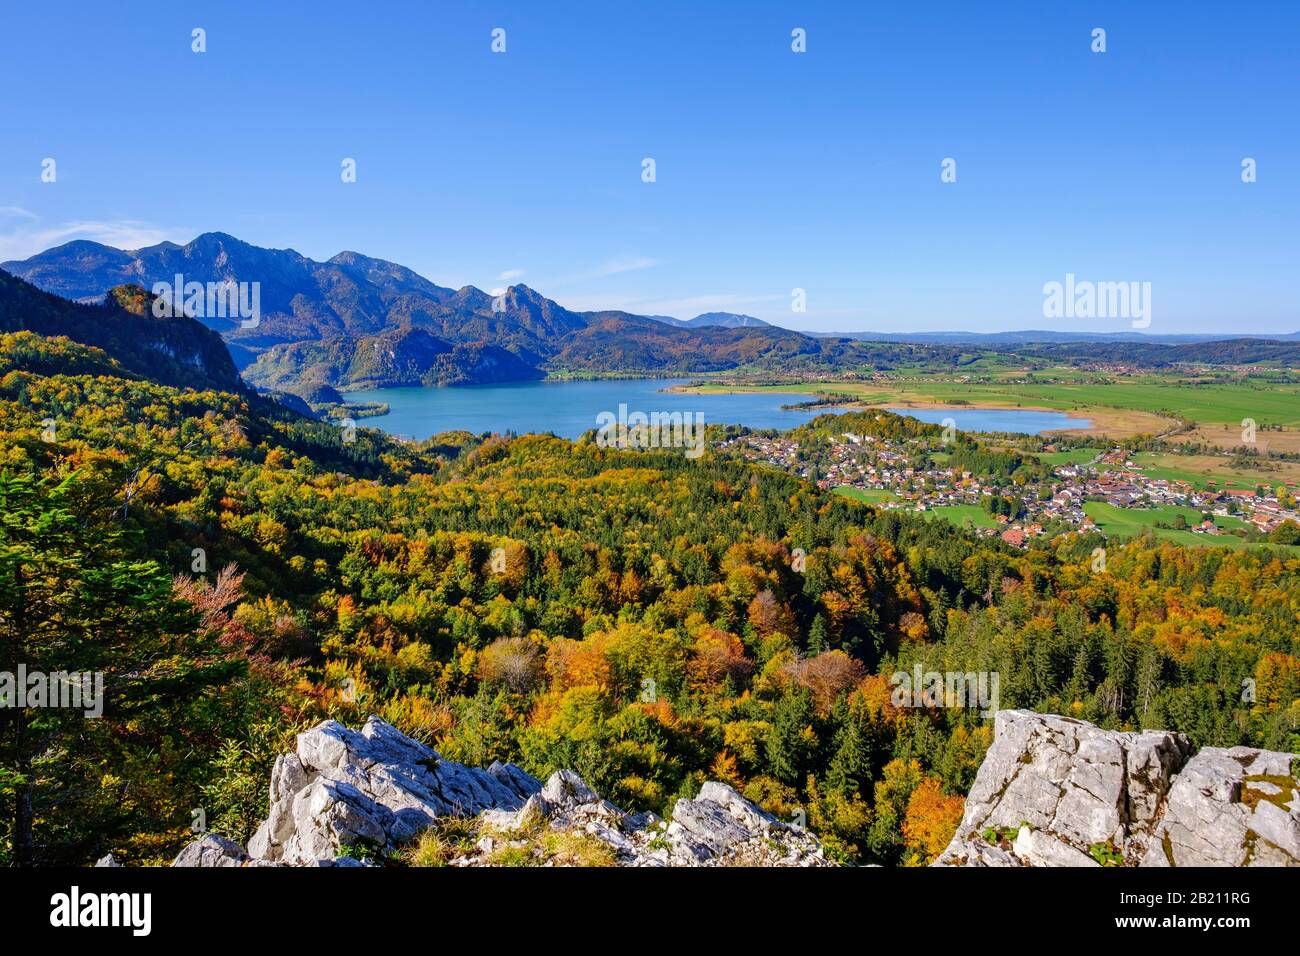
775	170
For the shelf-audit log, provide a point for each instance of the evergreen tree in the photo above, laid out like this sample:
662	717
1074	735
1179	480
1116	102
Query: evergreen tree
75	601
856	747
817	636
791	743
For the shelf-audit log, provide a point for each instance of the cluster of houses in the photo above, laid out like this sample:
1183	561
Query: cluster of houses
869	463
859	461
1125	485
872	464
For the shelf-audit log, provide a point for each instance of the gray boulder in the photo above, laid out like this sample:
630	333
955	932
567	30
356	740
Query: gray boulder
1231	807
718	827
212	850
1054	791
375	787
566	789
715	821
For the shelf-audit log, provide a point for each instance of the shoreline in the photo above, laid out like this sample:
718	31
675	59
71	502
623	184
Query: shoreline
1104	421
1112	422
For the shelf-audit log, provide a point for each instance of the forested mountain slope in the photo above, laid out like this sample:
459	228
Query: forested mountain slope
174	350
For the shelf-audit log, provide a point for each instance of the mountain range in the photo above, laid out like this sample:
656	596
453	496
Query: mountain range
727	320
357	322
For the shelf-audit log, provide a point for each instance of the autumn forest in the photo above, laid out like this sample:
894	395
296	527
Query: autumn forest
239	572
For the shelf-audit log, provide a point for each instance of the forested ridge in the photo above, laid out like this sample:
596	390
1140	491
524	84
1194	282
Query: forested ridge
648	620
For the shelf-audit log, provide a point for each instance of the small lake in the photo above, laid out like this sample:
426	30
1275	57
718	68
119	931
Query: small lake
1019	420
570	408
567	408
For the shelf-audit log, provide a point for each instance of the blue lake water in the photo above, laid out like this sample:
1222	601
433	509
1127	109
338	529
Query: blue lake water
566	408
570	408
1021	420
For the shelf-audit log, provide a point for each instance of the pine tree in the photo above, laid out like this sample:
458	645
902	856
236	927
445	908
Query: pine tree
790	742
817	636
850	769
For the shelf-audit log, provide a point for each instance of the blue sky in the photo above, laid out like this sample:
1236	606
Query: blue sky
775	170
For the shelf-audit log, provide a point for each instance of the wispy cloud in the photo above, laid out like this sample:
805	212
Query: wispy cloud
511	274
611	267
21	234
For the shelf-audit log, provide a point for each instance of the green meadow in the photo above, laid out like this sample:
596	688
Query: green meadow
1071	456
962	515
871	495
1130	522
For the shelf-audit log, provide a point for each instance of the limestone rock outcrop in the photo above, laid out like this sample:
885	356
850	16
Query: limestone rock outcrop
345	798
1234	807
718	827
376	788
1054	791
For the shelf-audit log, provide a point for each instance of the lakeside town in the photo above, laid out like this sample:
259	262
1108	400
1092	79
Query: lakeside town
904	475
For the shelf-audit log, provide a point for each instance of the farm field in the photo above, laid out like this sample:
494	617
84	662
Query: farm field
1204	470
963	514
1129	522
1071	456
1228	436
870	495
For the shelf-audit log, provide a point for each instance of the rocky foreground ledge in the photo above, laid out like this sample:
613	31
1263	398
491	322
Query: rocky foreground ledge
1053	791
346	797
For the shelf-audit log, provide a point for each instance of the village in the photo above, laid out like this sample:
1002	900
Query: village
901	475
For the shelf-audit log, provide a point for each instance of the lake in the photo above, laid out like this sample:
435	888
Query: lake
570	408
567	408
1019	420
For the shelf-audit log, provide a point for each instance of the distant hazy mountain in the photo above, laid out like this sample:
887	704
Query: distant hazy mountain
1040	336
175	351
726	320
729	320
1238	351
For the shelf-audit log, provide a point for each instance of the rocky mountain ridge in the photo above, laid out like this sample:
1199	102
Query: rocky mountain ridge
356	322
